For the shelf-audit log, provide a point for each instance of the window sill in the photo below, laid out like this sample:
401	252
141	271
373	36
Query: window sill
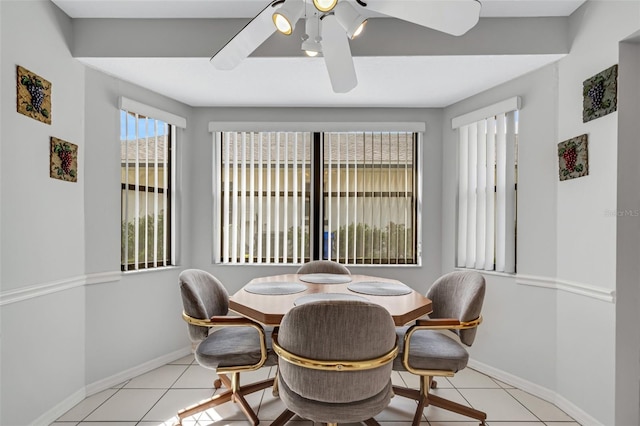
150	270
494	273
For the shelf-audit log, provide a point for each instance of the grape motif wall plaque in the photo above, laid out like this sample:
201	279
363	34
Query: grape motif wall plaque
599	94
573	159
34	95
63	162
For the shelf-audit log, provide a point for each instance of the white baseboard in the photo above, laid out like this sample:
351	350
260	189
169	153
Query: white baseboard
51	415
61	408
123	376
541	392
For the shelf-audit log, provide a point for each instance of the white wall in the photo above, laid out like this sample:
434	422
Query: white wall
565	240
586	244
200	187
628	236
42	221
71	322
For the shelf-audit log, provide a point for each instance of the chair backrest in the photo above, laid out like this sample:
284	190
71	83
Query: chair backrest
459	295
337	330
203	296
323	267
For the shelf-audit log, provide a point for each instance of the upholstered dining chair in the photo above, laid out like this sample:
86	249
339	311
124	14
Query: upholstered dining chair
236	345
323	267
335	359
428	352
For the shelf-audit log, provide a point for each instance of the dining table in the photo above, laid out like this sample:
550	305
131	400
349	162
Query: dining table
267	299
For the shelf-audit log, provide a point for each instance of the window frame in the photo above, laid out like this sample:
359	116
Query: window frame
173	123
217	129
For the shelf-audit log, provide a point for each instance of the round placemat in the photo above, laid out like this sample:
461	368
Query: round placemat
275	287
379	288
316	297
325	278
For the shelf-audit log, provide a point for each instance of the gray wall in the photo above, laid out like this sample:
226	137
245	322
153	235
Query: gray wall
72	324
199	181
509	308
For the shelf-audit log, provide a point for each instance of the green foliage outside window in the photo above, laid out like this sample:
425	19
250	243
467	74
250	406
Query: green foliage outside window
145	227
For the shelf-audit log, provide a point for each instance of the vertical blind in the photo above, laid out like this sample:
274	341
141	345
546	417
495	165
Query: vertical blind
369	197
360	208
264	183
487	193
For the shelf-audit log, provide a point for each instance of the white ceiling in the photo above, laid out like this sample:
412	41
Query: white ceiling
416	81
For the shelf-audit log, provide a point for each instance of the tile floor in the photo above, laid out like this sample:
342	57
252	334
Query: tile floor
154	398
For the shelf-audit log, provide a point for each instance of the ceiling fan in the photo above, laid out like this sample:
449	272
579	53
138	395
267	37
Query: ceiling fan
329	24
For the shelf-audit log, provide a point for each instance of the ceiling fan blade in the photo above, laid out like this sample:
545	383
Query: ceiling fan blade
247	39
454	17
337	55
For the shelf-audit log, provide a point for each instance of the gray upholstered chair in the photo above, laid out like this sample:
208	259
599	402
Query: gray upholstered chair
238	344
323	267
457	303
335	360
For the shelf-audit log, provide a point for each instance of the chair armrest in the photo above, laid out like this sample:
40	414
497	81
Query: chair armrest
446	324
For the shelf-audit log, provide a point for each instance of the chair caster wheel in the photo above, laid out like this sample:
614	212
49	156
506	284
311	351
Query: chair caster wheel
217	383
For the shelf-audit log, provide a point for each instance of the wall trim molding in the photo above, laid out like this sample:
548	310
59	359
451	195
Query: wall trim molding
594	292
549	395
54	413
43	289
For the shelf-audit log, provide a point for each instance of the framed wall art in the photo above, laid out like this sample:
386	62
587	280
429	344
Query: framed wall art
600	94
34	95
63	160
573	158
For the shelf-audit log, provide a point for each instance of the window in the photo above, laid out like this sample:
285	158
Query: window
487	177
147	146
289	197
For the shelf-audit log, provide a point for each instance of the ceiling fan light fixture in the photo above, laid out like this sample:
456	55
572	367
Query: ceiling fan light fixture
349	18
311	47
325	5
285	17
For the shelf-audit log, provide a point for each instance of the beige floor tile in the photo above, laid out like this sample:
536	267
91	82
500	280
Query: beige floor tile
89	404
127	405
196	377
166	409
496	423
160	378
469	378
185	360
542	409
110	424
498	404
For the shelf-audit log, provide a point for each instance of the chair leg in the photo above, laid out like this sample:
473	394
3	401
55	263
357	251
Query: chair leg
371	422
226	381
425	399
235	395
445	404
283	418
